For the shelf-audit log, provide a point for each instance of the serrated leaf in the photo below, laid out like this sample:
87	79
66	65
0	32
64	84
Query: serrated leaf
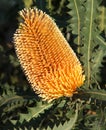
92	59
76	21
34	112
68	125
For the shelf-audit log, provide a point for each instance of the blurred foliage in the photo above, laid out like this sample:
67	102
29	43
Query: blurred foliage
83	23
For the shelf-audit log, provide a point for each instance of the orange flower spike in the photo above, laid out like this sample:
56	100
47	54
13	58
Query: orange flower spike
48	61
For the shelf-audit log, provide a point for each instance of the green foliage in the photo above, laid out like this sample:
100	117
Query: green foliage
68	125
34	112
83	23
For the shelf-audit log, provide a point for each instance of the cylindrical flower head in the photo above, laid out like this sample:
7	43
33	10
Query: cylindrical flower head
48	61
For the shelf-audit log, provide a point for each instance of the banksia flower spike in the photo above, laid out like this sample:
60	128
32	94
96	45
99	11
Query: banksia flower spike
48	61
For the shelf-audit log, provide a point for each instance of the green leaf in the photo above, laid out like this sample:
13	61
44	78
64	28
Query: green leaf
83	23
76	21
68	125
91	46
102	18
34	112
99	94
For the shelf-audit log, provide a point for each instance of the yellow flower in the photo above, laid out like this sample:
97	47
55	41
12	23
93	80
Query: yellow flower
48	61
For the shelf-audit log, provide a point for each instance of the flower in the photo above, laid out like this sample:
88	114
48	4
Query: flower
48	61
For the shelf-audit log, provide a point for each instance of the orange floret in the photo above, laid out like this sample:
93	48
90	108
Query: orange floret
48	61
